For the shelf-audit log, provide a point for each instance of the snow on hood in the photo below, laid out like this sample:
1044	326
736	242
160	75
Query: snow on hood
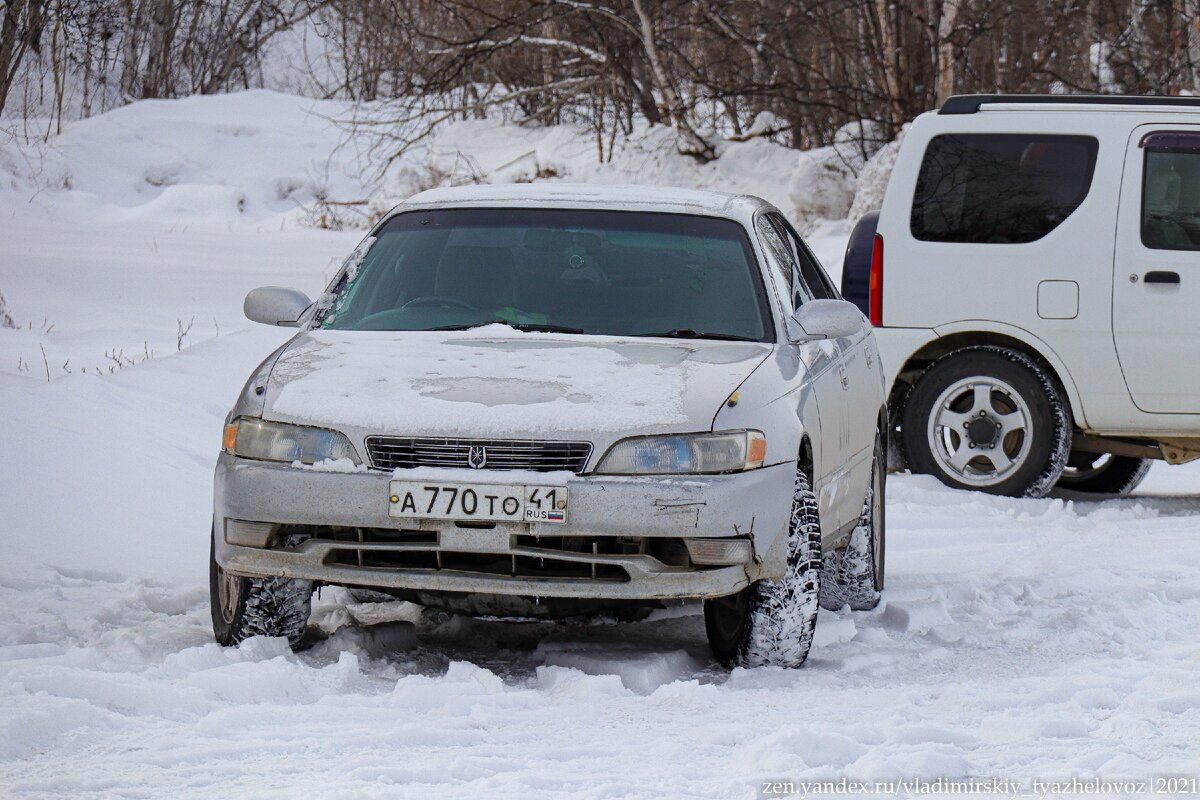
495	381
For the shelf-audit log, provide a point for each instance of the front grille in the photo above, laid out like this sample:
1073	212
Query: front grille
404	452
507	566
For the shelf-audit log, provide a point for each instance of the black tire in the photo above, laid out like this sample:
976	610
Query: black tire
966	397
853	575
771	622
1100	473
246	607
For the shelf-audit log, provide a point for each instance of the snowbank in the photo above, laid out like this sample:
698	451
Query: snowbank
254	157
265	159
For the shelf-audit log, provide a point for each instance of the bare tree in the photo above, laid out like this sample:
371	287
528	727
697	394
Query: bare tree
798	72
21	26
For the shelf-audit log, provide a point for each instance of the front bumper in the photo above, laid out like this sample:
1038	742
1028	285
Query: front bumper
752	504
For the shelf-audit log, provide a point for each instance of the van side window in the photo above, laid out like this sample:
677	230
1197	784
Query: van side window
1171	191
1000	188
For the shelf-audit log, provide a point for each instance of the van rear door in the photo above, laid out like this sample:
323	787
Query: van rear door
1156	274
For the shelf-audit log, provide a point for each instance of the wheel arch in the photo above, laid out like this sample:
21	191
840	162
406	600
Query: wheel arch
804	458
953	340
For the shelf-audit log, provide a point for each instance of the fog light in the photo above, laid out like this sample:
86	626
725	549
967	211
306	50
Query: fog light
713	552
248	534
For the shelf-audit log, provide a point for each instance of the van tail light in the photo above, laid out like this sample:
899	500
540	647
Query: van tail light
875	290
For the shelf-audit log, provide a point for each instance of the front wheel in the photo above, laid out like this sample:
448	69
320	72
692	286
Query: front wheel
245	607
771	622
988	418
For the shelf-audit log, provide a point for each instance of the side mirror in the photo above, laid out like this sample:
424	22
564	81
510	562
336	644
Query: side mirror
825	319
275	305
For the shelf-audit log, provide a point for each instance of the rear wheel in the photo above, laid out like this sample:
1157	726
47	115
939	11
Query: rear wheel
988	418
245	607
772	621
853	575
1103	473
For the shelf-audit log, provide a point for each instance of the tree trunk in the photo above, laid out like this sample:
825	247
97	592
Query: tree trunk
130	45
1189	18
692	143
947	67
21	24
157	80
889	63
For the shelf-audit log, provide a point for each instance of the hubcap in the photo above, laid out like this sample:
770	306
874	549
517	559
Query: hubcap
979	430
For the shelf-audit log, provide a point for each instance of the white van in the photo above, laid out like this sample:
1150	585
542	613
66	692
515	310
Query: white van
1034	276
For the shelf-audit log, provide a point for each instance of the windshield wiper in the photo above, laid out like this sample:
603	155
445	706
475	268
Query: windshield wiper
541	327
534	327
689	333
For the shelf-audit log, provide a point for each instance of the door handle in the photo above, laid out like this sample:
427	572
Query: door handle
1161	276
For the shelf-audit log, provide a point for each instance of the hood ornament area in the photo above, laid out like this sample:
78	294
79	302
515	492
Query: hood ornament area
477	456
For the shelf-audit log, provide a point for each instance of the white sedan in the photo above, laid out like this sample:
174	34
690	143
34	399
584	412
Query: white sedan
556	400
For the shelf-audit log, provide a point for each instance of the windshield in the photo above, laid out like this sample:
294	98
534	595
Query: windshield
575	271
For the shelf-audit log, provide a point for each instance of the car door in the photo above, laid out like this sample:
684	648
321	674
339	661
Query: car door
1156	275
861	383
824	368
860	377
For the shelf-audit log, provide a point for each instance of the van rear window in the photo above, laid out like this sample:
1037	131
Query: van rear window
1000	188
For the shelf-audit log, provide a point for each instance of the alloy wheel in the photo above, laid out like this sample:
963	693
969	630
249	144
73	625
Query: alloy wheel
979	430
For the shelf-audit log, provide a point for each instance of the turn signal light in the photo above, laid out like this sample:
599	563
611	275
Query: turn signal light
756	451
245	533
719	552
229	438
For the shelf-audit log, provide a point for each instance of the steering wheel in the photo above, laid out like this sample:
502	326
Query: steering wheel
430	300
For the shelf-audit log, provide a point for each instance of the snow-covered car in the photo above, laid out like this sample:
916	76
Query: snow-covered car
1032	276
546	401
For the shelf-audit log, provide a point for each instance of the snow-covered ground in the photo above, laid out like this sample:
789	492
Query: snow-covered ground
1018	638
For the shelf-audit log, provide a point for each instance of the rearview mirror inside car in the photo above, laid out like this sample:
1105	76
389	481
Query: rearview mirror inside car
825	319
275	305
552	240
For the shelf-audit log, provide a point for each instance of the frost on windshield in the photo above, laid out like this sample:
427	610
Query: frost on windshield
330	302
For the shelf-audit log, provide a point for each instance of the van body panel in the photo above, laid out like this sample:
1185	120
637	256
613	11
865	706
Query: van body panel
953	287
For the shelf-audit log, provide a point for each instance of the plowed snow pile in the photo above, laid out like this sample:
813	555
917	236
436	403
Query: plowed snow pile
1018	638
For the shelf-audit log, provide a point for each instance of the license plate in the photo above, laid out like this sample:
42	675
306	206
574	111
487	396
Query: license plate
480	502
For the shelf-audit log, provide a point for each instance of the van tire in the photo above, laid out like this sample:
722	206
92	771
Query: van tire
1119	475
1002	415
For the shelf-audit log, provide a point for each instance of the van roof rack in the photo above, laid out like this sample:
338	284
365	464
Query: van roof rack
970	103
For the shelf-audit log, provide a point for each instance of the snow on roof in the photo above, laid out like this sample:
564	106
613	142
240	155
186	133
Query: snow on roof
589	195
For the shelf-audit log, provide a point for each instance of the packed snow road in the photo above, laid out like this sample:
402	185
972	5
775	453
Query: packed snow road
1018	638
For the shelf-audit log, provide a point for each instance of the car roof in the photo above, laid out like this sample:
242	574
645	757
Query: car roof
589	195
974	103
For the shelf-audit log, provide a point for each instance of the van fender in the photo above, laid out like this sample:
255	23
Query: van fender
1021	339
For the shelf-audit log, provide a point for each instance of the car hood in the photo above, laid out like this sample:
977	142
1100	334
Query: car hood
495	382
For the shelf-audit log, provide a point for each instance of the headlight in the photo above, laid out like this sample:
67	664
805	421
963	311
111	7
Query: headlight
248	437
727	451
